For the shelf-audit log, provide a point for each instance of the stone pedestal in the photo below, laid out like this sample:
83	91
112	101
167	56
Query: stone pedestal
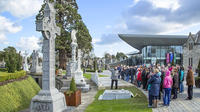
80	82
48	101
71	68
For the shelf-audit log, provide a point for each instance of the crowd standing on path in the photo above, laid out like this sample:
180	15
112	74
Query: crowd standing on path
161	82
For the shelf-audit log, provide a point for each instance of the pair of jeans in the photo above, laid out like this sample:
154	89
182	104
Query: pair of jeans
116	84
132	78
190	92
167	96
127	78
139	83
181	87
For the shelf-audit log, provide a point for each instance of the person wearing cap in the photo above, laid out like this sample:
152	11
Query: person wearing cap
190	82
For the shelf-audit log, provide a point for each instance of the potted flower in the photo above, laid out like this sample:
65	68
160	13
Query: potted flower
73	96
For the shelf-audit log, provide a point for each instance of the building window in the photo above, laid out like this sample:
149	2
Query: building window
190	61
190	46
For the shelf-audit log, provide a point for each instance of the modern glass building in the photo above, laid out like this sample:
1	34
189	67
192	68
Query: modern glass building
160	54
162	49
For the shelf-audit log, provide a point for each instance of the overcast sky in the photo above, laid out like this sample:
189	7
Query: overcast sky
104	19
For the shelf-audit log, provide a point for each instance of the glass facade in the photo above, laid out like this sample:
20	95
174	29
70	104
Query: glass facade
158	54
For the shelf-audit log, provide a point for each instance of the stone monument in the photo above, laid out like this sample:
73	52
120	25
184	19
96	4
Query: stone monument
35	66
49	99
3	64
72	65
95	79
25	62
80	81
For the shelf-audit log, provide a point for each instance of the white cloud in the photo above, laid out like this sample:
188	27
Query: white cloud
112	48
20	8
2	37
167	4
8	27
95	40
28	43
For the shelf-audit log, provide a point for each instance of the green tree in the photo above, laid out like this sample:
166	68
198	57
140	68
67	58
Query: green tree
19	61
1	55
73	85
120	55
67	18
10	59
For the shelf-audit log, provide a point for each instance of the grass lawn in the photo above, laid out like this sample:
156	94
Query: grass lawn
17	95
137	104
88	76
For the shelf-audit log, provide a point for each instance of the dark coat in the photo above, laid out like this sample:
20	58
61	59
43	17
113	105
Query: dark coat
162	80
175	81
127	72
143	76
133	71
154	82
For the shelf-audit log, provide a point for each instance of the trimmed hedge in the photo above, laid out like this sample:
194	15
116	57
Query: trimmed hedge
3	69
88	70
4	76
17	96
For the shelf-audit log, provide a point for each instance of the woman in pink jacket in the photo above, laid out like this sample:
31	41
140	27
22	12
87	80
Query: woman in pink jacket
167	85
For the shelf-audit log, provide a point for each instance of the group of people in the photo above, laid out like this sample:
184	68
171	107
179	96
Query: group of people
160	81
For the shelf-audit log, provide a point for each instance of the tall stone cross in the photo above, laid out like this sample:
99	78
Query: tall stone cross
49	99
49	30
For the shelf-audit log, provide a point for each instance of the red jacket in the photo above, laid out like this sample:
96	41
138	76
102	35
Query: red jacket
139	77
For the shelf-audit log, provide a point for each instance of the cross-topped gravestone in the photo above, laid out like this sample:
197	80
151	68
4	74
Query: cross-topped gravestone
72	65
34	67
49	99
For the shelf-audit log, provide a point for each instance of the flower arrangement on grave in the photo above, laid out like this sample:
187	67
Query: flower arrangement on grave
73	95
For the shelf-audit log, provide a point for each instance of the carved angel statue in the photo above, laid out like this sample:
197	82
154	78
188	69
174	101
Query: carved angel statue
73	36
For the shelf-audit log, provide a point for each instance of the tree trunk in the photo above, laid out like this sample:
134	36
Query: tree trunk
62	59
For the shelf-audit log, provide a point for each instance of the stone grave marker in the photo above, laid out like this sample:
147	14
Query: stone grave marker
116	94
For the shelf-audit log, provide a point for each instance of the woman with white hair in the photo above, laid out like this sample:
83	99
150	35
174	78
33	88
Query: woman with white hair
154	88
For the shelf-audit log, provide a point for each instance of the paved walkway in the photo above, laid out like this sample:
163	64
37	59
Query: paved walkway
180	104
106	81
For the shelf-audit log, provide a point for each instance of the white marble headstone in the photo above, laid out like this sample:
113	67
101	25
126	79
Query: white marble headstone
116	94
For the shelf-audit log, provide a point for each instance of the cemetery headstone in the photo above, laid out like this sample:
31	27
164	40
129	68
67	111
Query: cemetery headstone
116	94
3	64
49	99
35	66
72	65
